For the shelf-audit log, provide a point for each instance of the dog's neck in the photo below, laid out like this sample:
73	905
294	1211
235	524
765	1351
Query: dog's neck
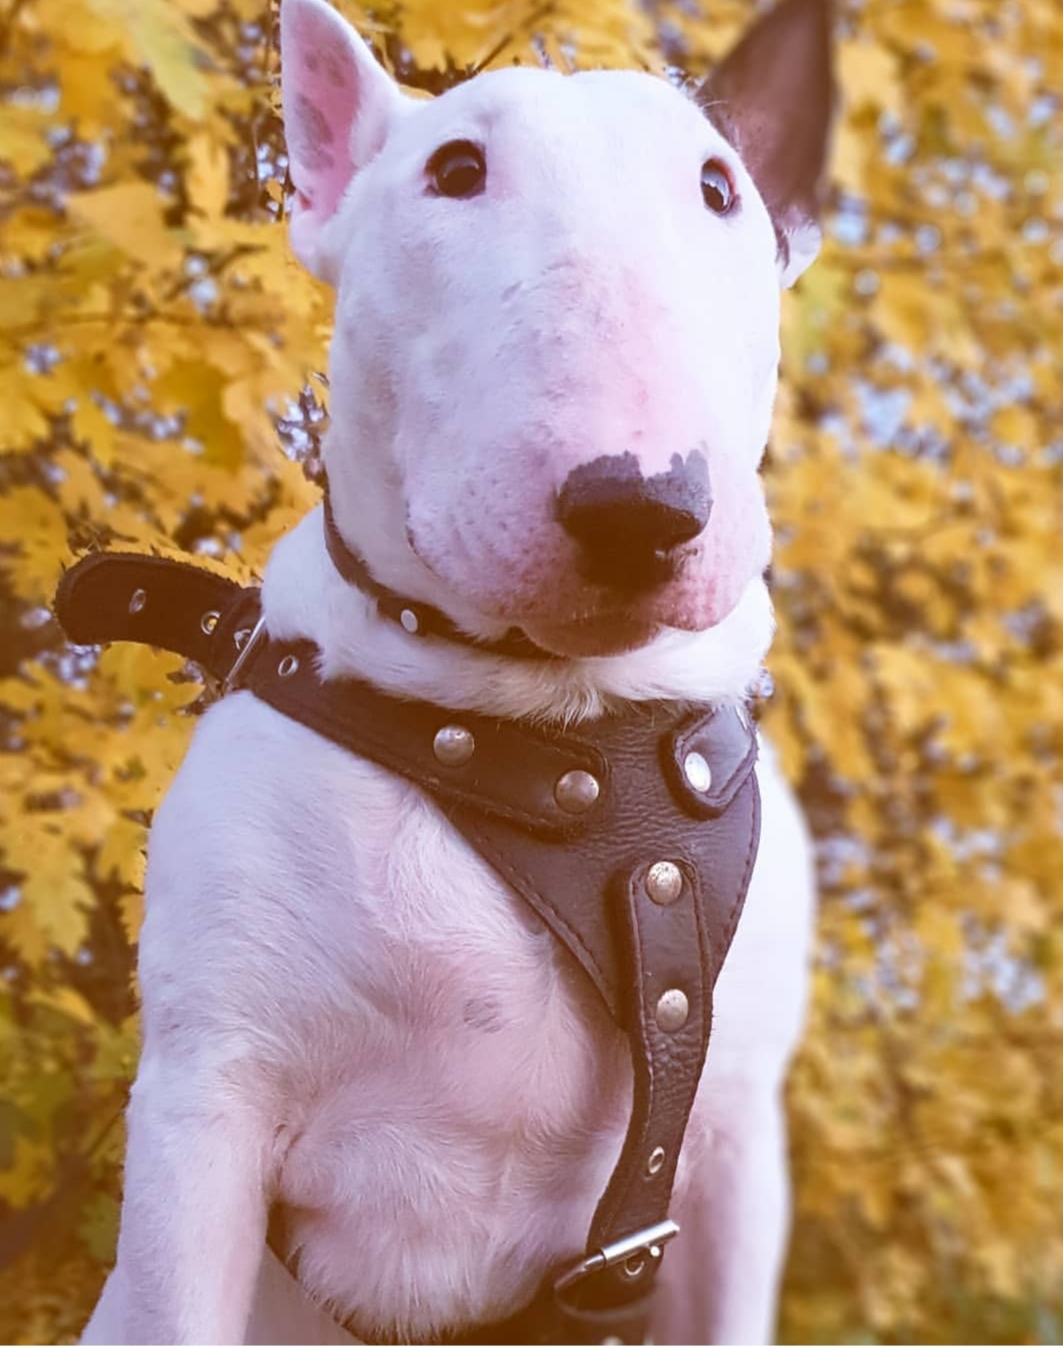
304	595
416	617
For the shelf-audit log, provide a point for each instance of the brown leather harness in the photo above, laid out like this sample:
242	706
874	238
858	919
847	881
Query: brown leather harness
633	838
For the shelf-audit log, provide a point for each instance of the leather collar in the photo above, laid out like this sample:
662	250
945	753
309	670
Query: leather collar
417	618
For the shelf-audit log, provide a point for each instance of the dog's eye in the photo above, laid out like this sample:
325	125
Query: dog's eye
717	188
457	169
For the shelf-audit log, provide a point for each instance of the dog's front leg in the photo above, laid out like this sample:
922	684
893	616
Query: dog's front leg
719	1283
194	1212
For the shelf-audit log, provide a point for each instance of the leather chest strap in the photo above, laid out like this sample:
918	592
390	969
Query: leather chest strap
668	1022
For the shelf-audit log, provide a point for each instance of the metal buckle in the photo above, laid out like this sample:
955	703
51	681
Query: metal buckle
254	639
652	1239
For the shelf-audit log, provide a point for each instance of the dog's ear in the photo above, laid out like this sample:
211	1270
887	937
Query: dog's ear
773	98
338	105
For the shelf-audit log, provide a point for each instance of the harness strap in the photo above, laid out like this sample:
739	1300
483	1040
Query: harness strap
634	842
156	601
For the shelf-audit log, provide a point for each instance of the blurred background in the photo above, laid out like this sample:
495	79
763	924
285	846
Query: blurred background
160	388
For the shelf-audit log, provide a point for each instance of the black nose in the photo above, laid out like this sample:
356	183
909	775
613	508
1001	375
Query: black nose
629	527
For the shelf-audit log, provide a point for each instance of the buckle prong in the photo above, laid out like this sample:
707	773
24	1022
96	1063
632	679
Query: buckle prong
651	1240
253	640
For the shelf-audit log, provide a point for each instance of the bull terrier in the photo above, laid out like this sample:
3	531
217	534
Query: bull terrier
546	286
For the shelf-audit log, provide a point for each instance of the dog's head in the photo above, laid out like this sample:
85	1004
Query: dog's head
557	321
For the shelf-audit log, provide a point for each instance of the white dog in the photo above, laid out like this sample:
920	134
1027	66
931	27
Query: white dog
350	1022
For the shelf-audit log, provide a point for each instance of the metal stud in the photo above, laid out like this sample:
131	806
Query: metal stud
208	621
288	665
453	745
136	602
656	1161
409	620
697	771
576	791
672	1010
664	883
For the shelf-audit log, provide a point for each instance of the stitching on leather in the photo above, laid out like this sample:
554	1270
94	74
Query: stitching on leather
708	981
718	797
499	861
740	772
296	702
604	1221
652	1053
747	870
651	1059
299	697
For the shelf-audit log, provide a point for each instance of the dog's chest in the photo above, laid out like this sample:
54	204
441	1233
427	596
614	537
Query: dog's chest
447	1071
462	1137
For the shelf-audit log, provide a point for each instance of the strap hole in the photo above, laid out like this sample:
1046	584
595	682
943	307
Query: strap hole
137	601
208	622
288	665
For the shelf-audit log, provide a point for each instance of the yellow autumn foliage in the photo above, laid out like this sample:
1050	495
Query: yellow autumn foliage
160	360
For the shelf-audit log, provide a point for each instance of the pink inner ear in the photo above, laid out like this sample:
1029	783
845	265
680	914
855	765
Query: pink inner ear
321	96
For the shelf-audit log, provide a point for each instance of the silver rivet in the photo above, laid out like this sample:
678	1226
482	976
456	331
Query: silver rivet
453	745
697	771
672	1010
288	664
208	621
409	621
656	1161
136	602
664	883
576	791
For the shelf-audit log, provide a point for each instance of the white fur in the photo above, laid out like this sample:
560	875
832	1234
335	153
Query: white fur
345	1011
